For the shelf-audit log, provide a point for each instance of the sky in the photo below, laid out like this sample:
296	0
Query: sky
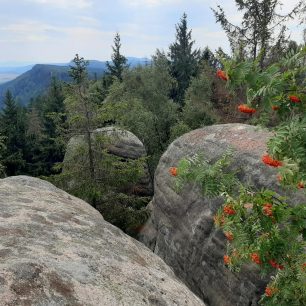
53	31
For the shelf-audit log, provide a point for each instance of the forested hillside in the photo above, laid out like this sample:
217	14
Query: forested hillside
35	81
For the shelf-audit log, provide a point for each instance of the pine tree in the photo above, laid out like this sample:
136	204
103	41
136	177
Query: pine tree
119	62
184	60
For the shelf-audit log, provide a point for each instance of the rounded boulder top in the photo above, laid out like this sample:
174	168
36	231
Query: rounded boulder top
58	250
181	227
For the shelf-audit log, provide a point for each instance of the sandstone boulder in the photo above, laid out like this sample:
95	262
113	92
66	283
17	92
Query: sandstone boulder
118	142
57	250
181	228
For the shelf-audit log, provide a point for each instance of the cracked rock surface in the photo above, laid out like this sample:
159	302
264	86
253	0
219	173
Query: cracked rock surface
57	250
181	227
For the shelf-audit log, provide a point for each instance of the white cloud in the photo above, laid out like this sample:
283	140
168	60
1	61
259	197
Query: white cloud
135	30
48	43
66	4
150	3
204	36
234	16
288	6
25	31
88	21
87	27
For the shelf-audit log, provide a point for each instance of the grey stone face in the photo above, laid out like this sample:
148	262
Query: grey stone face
181	229
57	250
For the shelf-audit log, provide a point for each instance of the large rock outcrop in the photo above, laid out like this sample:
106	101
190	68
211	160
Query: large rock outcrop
181	229
57	250
118	142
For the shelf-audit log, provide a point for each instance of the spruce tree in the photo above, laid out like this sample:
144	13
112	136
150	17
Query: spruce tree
12	128
80	109
2	150
119	62
54	123
183	59
54	104
78	72
9	113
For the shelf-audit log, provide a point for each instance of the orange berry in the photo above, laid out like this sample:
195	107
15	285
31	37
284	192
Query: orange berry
270	291
294	99
268	160
228	210
226	259
267	209
222	75
219	220
243	108
275	265
173	171
279	177
229	235
255	258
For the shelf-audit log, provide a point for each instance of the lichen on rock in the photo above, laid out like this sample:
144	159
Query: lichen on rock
181	227
56	249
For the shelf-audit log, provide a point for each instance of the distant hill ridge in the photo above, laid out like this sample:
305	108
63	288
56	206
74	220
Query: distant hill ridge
36	80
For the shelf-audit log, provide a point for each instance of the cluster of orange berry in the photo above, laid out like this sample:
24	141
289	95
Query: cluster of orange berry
228	210
267	209
243	108
275	265
255	258
270	291
173	171
222	75
268	160
292	98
